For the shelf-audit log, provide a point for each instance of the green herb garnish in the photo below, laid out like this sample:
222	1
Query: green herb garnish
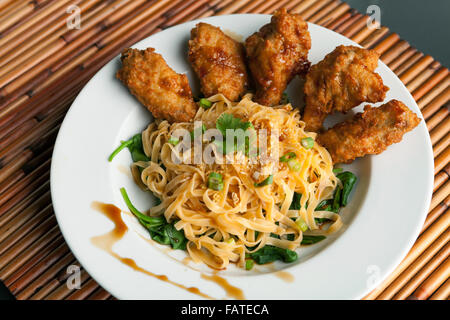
135	147
265	182
160	230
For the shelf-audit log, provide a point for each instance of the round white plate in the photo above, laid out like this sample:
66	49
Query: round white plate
382	220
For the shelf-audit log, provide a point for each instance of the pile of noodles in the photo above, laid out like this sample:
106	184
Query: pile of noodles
241	211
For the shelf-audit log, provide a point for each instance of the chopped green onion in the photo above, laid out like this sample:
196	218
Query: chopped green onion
294	165
205	103
337	170
249	264
230	241
312	239
288	156
174	140
308	142
195	132
215	181
265	182
301	224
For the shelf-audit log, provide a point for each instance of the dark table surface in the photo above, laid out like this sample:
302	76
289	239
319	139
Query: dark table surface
424	24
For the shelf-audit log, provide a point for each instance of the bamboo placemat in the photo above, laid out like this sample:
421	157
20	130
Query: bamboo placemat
43	66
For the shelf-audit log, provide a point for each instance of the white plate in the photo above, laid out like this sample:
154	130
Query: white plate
381	223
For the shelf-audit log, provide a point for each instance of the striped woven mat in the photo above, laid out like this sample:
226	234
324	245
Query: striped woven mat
44	65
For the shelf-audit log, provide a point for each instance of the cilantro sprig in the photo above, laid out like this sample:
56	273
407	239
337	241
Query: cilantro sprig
227	122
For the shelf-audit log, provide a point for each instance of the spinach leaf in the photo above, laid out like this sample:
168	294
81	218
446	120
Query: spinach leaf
295	204
271	253
135	147
348	180
160	230
312	239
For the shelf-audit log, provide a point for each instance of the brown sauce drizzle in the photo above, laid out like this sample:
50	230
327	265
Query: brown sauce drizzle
107	241
286	276
231	291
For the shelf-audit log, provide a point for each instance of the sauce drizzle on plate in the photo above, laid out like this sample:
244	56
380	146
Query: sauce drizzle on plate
107	241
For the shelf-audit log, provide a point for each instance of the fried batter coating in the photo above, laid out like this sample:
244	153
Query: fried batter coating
219	62
276	53
341	81
163	91
370	132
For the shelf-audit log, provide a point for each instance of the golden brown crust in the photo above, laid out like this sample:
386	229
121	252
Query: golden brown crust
276	53
341	81
370	132
163	91
219	62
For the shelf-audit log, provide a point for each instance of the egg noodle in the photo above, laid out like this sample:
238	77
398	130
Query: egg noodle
222	226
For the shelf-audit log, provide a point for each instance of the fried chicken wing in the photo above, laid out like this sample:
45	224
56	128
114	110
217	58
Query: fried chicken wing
219	62
370	132
341	81
276	53
163	91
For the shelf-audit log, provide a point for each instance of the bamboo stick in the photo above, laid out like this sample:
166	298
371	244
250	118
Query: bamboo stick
443	292
63	290
346	24
41	16
302	6
337	15
393	51
18	281
439	180
11	181
430	83
435	104
417	68
5	3
99	294
433	93
275	5
96	21
334	24
441	145
374	37
424	76
421	244
408	63
31	245
412	271
53	284
86	289
179	17
441	130
14	206
12	167
11	7
324	11
365	32
45	278
355	27
383	47
11	238
34	261
306	14
436	213
441	161
16	15
232	7
248	7
19	191
13	45
407	54
436	279
437	118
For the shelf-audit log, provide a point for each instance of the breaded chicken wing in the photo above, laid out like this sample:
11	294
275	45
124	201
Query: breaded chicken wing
276	53
370	132
341	81
219	62
163	91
